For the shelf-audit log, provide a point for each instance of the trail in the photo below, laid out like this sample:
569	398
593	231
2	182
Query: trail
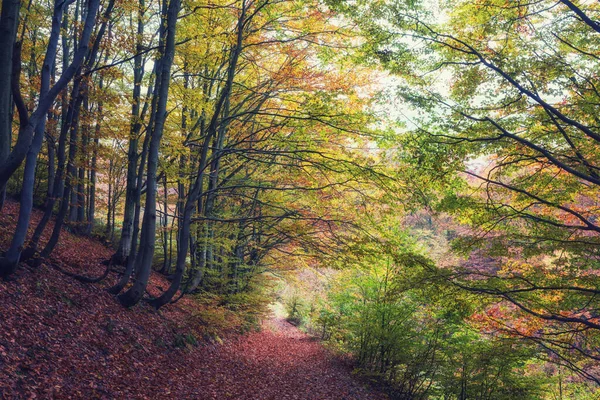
63	339
280	362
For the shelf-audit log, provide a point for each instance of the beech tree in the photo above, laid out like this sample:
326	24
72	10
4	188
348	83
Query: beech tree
249	128
505	95
32	126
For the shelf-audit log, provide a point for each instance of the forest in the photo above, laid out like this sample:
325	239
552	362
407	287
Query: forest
403	186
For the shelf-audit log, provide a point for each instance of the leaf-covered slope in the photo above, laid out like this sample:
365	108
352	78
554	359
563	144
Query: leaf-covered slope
61	338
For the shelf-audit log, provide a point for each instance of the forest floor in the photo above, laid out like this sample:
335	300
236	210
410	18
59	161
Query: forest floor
60	338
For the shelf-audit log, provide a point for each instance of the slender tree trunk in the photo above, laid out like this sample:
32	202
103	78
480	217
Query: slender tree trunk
165	222
143	263
83	165
9	263
9	22
130	262
109	227
120	257
92	186
73	193
26	133
51	166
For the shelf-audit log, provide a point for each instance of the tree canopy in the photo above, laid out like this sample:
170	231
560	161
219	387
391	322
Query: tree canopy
416	180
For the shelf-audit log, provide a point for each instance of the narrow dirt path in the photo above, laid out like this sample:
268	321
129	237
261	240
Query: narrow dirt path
281	362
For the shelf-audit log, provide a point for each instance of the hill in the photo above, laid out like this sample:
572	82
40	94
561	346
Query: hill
62	338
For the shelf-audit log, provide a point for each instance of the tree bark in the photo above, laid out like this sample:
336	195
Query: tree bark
36	122
9	22
26	133
221	106
92	186
143	263
120	257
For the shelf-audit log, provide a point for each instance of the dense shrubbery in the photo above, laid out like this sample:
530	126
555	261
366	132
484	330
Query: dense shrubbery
420	346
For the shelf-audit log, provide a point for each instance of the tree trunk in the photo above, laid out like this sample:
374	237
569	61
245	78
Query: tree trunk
124	248
51	145
92	186
59	180
26	133
165	224
9	22
184	239
143	263
9	263
130	260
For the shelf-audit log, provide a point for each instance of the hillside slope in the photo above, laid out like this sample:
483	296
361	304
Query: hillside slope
61	338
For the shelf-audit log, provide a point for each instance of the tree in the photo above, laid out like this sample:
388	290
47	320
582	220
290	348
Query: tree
414	334
9	21
31	143
506	97
143	263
